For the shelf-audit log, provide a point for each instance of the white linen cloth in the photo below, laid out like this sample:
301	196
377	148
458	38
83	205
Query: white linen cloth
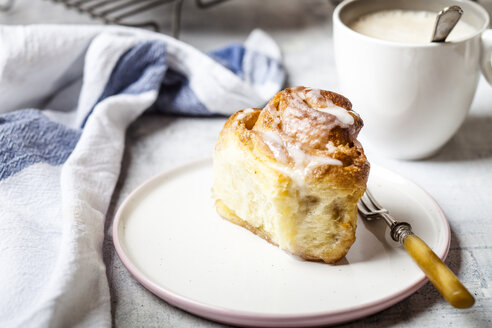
59	163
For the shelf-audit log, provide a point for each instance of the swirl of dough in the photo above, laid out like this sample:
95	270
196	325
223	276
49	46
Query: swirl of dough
306	133
310	128
293	172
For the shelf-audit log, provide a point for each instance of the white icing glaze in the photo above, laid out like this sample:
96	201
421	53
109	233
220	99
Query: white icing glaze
331	147
308	162
240	116
341	114
315	161
305	123
275	144
303	162
314	95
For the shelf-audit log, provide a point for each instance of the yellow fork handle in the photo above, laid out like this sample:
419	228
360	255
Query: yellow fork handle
438	273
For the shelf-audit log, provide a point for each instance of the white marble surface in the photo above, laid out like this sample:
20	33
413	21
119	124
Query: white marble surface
459	177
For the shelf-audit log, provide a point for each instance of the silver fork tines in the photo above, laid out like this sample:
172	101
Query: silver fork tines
369	208
438	273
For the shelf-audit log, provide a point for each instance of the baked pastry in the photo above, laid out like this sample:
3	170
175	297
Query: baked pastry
293	172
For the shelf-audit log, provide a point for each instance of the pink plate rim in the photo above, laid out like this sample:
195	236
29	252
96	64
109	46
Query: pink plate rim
252	319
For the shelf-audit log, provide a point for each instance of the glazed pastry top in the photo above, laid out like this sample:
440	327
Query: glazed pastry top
303	124
310	131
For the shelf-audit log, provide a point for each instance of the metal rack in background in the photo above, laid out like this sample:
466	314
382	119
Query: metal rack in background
119	11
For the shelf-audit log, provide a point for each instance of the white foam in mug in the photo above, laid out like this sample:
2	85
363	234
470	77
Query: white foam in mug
412	94
406	26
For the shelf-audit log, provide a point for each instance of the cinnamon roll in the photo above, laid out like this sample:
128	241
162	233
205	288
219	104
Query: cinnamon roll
293	172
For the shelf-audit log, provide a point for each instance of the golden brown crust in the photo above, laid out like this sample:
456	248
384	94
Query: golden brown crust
277	113
248	125
301	131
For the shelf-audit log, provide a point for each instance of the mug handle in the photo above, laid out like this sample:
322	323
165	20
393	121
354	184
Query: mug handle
486	61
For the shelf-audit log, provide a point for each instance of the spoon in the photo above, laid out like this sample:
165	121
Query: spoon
446	20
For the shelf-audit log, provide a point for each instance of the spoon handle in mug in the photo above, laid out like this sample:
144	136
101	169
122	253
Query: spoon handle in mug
438	273
445	22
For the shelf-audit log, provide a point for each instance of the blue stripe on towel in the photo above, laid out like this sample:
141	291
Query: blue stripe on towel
140	69
230	57
249	65
144	68
177	97
28	137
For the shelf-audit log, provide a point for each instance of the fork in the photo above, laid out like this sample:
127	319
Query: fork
436	271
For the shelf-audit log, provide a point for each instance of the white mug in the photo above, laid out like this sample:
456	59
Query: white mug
412	97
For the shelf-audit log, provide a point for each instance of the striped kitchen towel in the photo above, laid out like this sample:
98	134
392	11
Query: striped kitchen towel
67	95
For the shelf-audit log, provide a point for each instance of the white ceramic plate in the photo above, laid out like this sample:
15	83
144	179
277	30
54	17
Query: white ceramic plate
170	238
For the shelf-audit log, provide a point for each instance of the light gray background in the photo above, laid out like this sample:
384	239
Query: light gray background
459	177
